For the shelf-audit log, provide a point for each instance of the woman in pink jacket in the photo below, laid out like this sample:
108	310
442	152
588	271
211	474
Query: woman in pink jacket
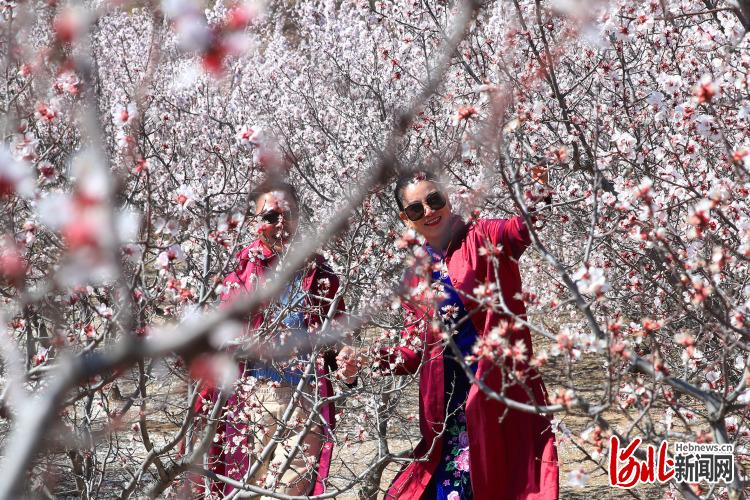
472	446
266	386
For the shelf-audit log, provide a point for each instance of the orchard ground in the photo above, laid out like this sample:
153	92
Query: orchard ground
570	456
168	396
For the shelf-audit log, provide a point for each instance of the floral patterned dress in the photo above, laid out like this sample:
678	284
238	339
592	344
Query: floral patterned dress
451	480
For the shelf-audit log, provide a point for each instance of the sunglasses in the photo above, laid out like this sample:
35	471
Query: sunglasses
272	216
415	211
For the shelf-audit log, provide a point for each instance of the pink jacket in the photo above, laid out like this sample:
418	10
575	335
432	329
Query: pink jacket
254	261
512	456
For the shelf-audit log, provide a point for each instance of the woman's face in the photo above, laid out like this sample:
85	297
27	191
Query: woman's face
435	223
278	218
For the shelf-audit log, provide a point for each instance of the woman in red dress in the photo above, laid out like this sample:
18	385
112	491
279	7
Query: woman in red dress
472	446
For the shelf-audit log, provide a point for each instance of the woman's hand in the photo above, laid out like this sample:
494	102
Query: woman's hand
540	174
349	362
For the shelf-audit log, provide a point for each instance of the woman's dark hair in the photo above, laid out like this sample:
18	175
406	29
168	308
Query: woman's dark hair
271	185
407	178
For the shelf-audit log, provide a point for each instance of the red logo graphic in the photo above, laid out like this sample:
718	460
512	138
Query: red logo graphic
625	471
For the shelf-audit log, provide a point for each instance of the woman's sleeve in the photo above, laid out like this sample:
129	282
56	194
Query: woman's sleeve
238	281
511	234
330	354
331	295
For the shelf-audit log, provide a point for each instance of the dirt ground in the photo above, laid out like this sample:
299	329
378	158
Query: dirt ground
353	459
587	376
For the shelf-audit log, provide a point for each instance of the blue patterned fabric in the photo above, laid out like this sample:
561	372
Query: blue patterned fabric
294	320
451	480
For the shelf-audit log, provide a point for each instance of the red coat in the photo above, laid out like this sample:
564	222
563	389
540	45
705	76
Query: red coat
254	261
511	456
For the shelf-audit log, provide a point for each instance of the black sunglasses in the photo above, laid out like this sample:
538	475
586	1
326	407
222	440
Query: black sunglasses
272	216
434	200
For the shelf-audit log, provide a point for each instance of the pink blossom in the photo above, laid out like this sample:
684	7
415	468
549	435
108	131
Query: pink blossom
578	478
12	263
466	112
123	115
15	176
47	111
706	90
69	24
591	280
184	196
